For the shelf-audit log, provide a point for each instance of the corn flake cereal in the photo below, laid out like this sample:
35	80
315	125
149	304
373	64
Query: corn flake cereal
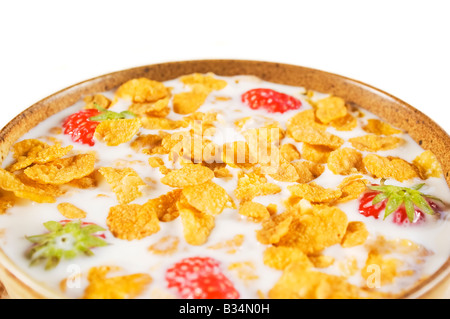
102	286
159	108
315	136
71	211
132	221
345	123
62	170
188	175
314	192
356	234
345	161
305	118
32	151
296	282
289	152
312	232
375	143
189	102
352	187
428	165
115	132
330	108
316	153
7	200
379	127
255	211
96	100
209	198
251	185
197	226
390	167
125	183
208	81
281	257
142	90
165	206
159	123
274	228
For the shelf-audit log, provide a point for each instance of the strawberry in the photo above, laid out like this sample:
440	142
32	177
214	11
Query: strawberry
64	240
80	127
407	205
82	124
270	100
200	278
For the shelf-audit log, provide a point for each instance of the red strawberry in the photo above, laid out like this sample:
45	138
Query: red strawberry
80	128
270	100
200	278
366	207
407	205
81	125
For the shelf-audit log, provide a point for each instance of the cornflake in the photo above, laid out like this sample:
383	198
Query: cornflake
352	187
115	132
315	193
165	206
356	234
253	210
62	170
375	143
189	102
95	101
197	226
428	165
379	127
390	167
316	153
345	161
251	185
208	81
209	198
32	151
102	286
298	282
281	257
316	136
321	227
132	221
159	108
7	200
71	211
188	175
142	90
330	108
125	183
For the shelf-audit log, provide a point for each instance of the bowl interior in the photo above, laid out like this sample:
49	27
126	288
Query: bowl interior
421	128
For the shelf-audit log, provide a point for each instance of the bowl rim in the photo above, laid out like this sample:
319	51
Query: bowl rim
418	290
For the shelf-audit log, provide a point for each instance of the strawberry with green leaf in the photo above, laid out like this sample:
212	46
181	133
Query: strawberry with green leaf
408	205
64	240
81	125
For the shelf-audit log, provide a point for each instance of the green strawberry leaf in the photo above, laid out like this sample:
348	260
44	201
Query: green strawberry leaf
393	203
63	241
395	196
110	115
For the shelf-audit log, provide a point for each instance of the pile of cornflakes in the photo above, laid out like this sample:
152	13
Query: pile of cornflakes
278	203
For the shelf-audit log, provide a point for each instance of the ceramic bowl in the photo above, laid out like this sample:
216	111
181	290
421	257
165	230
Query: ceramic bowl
393	110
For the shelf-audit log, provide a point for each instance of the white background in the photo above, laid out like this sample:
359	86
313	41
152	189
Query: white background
401	47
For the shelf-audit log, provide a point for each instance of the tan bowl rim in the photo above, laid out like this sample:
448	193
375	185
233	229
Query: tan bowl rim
41	289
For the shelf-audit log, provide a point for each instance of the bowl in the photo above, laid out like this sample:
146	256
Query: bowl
391	109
